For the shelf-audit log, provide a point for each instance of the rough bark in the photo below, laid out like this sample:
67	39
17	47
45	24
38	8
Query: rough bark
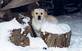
20	39
55	40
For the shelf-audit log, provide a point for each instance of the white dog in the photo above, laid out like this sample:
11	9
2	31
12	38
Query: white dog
40	16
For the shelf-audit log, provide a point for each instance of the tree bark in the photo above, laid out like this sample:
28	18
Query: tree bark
20	39
55	40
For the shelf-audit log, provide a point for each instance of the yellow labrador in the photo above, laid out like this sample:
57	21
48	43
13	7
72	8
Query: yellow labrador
40	16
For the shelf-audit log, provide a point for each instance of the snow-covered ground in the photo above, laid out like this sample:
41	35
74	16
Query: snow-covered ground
75	22
37	44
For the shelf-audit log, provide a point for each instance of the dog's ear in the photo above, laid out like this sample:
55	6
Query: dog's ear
46	13
46	10
32	13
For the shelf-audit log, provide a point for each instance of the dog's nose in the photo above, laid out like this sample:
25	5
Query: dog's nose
39	17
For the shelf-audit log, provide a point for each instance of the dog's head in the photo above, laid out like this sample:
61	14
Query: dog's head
39	14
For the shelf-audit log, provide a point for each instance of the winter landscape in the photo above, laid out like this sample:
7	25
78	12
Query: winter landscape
37	44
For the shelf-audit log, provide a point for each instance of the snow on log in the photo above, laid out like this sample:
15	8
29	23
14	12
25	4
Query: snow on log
56	35
19	35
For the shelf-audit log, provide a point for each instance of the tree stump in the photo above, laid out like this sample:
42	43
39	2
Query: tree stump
58	38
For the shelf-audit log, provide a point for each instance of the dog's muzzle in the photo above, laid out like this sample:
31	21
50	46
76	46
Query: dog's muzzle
39	17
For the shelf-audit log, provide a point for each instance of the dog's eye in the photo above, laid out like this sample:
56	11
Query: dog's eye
36	13
41	13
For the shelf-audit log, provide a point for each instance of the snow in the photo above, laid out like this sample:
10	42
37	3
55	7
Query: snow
34	42
26	19
37	44
6	45
75	22
59	28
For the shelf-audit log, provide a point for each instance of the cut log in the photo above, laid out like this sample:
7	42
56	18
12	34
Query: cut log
55	40
56	35
18	3
20	39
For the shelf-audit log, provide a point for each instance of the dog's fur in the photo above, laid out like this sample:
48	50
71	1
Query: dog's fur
40	16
